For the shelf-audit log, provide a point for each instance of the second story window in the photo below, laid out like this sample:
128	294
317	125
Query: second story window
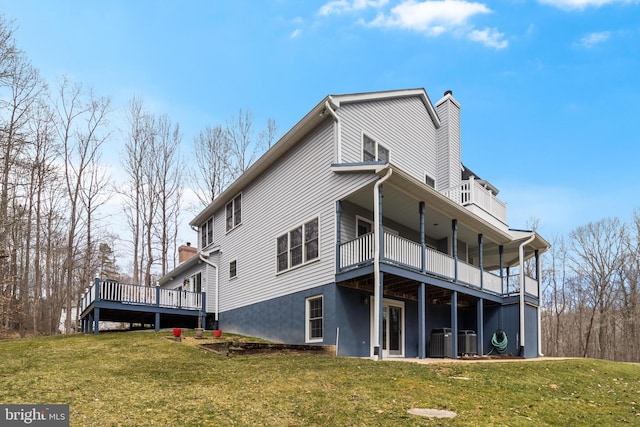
234	212
206	233
297	246
372	151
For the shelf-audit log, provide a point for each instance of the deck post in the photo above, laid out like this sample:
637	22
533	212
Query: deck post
501	260
454	248
480	326
422	327
97	290
454	324
481	258
157	296
156	324
423	255
338	233
96	320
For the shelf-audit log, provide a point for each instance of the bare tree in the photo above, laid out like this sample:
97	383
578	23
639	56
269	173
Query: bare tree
597	259
79	124
213	172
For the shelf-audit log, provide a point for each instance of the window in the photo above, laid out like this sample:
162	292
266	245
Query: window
206	233
429	181
313	328
234	212
192	283
297	246
372	151
363	226
196	282
233	269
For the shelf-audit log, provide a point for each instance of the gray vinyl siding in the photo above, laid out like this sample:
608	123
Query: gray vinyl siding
402	125
295	189
448	146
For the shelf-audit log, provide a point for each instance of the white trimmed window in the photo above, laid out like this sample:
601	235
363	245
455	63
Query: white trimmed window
314	319
206	233
372	151
234	212
298	246
233	269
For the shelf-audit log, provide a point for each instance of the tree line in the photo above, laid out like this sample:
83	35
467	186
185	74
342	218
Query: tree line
591	298
56	234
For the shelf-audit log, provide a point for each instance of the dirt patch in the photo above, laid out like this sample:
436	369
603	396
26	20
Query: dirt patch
237	348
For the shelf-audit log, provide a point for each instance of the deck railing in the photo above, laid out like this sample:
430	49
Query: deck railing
472	192
110	290
407	253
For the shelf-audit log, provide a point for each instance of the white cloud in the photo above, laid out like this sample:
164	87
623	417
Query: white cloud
489	37
581	4
341	6
590	40
431	17
295	33
434	18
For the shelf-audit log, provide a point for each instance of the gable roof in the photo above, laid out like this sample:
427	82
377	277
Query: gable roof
313	118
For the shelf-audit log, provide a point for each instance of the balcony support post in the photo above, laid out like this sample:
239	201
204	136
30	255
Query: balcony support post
422	319
422	291
481	259
454	324
501	260
338	234
454	248
480	326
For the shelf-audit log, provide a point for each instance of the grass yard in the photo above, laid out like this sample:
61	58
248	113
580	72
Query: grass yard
143	379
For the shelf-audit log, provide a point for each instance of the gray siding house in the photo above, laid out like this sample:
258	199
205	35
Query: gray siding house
362	228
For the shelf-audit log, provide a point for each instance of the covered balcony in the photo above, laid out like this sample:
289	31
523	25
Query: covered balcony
458	236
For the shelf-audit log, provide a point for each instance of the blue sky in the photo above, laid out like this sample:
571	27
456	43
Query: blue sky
549	89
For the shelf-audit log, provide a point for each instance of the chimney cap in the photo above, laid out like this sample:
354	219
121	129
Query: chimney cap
188	243
448	92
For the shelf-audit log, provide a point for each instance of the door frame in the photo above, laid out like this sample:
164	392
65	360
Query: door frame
386	302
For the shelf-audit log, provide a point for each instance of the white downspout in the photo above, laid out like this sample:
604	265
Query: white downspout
376	260
539	317
217	307
339	136
521	259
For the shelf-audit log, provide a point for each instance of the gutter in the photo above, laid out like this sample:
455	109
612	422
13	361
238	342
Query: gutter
377	288
521	260
214	265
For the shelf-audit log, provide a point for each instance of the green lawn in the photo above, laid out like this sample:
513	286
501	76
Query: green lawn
141	378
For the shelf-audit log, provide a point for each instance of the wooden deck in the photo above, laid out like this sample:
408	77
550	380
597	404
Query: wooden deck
108	300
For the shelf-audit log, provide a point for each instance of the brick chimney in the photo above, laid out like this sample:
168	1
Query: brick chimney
186	252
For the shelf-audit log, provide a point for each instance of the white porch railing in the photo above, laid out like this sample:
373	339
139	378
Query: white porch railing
125	293
491	282
408	253
530	286
472	192
181	299
439	263
402	251
356	251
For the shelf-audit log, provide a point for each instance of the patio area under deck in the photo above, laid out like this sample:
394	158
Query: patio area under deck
108	300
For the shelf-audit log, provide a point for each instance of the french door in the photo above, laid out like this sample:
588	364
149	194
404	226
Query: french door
392	328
